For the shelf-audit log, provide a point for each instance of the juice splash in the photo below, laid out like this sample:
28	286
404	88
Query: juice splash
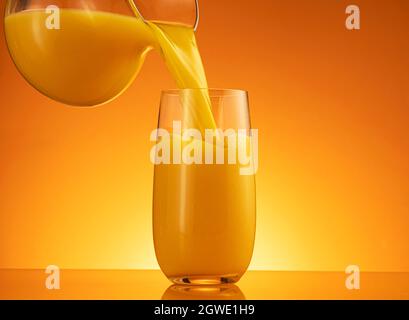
96	55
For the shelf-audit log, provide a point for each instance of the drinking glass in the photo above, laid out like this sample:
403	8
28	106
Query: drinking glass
204	212
94	50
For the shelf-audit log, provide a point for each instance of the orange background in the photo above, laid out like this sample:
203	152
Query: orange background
332	109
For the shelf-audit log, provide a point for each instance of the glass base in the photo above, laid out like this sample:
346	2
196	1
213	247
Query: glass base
205	280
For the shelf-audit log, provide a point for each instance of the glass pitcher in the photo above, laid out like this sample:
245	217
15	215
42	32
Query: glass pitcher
87	52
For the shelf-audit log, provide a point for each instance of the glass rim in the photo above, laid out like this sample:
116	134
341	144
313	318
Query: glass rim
213	92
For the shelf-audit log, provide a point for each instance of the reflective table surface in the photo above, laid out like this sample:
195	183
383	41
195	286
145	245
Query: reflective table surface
152	285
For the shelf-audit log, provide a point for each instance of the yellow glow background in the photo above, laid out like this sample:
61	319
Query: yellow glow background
332	108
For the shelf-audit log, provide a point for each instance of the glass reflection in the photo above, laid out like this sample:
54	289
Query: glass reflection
220	292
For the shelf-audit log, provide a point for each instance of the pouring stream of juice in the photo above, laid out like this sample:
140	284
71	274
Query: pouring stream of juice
181	54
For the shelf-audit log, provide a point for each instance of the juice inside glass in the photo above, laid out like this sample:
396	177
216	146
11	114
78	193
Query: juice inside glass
204	214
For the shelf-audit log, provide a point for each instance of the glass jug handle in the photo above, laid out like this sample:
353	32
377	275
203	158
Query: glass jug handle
174	11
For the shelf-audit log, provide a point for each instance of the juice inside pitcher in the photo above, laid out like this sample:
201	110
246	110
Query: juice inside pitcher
96	55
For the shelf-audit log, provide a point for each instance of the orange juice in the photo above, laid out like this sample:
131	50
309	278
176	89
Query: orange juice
94	56
203	222
89	61
203	215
